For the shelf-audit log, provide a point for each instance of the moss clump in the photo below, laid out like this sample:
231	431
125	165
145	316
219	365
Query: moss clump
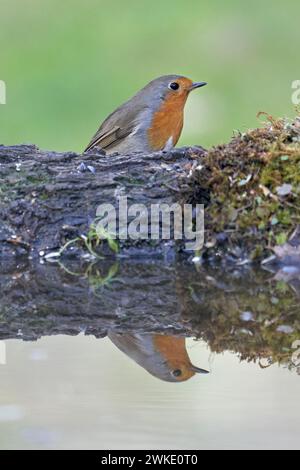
251	186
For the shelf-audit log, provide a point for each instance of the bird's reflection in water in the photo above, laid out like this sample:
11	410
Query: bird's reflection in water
164	357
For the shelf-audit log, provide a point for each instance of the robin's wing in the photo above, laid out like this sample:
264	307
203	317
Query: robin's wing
105	139
116	127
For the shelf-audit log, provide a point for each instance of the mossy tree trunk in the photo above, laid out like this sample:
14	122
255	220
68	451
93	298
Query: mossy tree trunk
250	188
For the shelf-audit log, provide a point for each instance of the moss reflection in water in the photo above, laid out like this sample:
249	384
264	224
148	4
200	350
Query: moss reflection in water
258	319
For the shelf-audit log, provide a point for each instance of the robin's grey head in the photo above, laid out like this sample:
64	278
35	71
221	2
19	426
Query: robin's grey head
173	86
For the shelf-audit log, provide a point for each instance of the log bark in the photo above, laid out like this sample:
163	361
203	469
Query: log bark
48	198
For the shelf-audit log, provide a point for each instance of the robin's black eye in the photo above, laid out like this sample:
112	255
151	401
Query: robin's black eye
174	85
176	372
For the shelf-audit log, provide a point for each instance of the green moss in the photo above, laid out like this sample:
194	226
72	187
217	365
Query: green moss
240	182
93	243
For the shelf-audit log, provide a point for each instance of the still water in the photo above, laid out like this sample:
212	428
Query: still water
110	380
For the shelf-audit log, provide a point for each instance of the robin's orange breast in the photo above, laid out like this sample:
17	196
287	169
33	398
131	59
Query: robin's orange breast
167	123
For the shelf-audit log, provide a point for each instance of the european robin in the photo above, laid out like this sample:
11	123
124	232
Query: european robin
163	356
150	121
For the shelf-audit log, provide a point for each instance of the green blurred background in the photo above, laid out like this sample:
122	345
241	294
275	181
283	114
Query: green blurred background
67	64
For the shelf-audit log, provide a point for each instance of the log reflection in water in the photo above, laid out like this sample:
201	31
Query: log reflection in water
253	313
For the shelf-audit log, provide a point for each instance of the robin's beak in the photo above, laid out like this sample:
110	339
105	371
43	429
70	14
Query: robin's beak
198	370
197	85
